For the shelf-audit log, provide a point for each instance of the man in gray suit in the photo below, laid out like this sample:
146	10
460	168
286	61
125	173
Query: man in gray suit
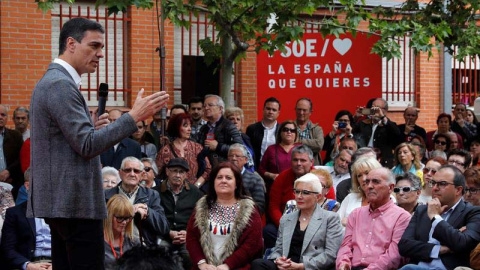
66	183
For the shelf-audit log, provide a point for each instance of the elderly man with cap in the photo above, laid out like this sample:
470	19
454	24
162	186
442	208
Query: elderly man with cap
178	198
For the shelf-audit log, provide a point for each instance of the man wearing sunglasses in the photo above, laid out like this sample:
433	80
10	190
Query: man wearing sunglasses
150	221
433	239
373	231
407	190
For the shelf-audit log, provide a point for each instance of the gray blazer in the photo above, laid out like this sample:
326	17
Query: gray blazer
322	239
66	179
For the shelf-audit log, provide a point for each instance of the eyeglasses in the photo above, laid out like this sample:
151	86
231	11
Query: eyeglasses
472	190
304	192
147	169
285	129
404	189
441	184
453	162
429	170
441	142
210	105
129	170
373	181
122	219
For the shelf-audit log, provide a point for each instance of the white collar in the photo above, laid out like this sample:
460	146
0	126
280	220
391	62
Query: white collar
76	78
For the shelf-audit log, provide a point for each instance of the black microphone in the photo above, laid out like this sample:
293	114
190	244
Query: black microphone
102	98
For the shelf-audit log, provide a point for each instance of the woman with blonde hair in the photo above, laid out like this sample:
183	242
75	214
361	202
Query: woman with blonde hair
406	160
118	229
357	197
327	183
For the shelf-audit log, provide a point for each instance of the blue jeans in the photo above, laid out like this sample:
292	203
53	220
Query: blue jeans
413	267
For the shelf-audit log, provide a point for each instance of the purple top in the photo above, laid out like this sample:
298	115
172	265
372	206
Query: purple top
275	153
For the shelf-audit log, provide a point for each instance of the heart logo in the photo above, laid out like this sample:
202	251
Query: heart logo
342	46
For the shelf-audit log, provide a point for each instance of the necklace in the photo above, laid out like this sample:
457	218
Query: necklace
304	218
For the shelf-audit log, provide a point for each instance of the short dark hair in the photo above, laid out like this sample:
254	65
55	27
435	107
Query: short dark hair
148	258
239	190
442	115
272	99
306	99
278	137
76	28
458	178
175	123
195	100
445	136
342	113
21	109
178	106
462	153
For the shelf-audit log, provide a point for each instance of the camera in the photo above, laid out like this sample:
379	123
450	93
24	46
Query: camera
342	125
366	111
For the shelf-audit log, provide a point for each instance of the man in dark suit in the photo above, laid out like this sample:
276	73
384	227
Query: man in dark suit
125	148
262	134
410	128
10	170
442	233
380	132
66	183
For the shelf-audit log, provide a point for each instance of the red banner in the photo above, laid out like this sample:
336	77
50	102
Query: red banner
335	73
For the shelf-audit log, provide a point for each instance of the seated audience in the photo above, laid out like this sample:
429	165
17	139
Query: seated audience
252	182
145	140
110	176
277	157
178	200
444	123
150	173
26	242
357	197
117	229
407	190
431	168
308	238
151	223
179	128
326	181
406	160
339	171
472	190
441	143
235	115
225	230
373	231
459	158
433	239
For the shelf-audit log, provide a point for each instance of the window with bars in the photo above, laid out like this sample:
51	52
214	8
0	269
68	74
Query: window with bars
112	68
465	79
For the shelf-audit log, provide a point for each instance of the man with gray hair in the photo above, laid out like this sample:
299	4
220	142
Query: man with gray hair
339	171
146	202
252	182
219	133
373	231
21	119
407	191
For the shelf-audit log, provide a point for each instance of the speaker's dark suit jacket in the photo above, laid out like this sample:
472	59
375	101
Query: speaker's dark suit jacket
255	132
414	243
18	237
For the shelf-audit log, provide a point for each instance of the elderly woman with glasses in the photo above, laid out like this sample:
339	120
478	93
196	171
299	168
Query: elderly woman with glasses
407	190
472	181
110	177
308	238
117	229
277	157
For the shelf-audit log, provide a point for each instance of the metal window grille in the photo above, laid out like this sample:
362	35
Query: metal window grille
112	68
465	79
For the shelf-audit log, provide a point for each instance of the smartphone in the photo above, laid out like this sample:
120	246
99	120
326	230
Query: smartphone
210	136
342	125
366	111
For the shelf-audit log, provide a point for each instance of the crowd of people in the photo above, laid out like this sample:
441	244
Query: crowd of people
192	190
385	196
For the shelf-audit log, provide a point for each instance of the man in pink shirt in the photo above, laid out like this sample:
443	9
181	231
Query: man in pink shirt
373	231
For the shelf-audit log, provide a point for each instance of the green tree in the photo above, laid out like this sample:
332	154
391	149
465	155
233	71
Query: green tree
243	25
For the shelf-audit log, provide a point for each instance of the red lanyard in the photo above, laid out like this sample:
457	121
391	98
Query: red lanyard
113	250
